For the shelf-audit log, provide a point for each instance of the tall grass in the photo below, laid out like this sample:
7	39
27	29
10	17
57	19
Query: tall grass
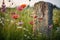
9	30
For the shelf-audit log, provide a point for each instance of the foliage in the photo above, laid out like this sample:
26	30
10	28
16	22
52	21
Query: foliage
12	31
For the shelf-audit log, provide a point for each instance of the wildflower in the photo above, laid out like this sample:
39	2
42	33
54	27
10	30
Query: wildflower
3	7
19	27
21	7
28	37
20	23
50	26
25	35
2	18
35	16
31	22
6	14
15	16
12	21
7	19
25	29
1	21
3	24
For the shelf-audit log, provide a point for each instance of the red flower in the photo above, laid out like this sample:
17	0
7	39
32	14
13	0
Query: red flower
35	16
15	16
23	5
31	22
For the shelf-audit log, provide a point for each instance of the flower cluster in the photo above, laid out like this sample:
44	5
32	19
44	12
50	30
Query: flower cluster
3	7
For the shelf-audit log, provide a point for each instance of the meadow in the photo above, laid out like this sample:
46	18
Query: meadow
20	28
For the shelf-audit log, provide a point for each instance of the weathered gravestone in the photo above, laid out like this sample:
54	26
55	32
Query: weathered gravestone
43	22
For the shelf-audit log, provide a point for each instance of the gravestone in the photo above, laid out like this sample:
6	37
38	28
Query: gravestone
43	22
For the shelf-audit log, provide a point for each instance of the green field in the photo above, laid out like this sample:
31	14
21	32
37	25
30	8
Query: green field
10	30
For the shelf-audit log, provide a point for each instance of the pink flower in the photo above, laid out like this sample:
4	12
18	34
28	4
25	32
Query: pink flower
21	7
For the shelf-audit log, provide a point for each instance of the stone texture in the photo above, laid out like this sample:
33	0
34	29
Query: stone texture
44	13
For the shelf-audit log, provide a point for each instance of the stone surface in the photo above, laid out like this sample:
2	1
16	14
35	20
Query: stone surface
44	13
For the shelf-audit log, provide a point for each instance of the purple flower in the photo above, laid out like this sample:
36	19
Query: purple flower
3	7
50	26
20	23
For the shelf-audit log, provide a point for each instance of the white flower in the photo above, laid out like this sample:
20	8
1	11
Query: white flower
7	20
2	18
19	27
25	35
28	37
25	29
17	24
1	22
6	14
12	21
